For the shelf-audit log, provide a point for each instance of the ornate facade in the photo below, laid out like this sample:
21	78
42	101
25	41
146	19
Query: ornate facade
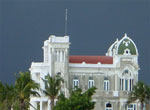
113	74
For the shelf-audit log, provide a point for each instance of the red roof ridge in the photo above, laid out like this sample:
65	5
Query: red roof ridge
90	59
91	55
87	55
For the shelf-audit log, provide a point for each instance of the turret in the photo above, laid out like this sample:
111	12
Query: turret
125	56
56	52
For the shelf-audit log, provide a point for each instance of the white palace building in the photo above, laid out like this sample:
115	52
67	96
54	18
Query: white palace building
113	74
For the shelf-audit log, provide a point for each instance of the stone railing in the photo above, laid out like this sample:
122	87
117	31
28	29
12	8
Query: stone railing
102	93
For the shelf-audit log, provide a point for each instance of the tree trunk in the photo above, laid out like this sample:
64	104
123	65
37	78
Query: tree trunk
142	105
52	104
22	106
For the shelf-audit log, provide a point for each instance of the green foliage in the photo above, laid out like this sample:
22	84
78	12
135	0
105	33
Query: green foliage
24	86
52	87
6	96
77	100
140	92
17	96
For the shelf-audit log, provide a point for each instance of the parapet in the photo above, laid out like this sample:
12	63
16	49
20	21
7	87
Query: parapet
59	39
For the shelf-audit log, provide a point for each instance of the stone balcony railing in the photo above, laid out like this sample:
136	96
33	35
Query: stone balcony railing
101	93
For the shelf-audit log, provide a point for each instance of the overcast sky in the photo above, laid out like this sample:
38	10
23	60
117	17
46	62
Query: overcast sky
93	25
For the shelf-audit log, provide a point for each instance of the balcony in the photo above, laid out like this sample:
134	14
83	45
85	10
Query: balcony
102	93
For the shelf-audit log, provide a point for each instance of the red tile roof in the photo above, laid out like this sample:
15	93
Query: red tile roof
91	59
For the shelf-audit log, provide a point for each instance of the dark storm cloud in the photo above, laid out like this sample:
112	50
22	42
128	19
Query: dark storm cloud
92	26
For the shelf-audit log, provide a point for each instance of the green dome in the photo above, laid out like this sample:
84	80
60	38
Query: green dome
127	46
124	46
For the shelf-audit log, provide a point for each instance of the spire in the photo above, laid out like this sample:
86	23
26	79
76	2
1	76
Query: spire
66	21
125	35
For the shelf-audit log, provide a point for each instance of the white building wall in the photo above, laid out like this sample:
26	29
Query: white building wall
56	59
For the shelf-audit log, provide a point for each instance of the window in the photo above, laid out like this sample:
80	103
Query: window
75	83
126	52
126	84
90	83
131	107
122	84
108	106
126	71
106	84
59	73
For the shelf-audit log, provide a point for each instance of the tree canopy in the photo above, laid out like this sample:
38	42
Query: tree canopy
17	96
140	93
77	100
52	87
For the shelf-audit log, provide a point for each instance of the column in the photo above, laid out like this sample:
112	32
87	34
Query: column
50	60
41	105
120	84
48	106
124	82
57	56
64	56
61	56
116	80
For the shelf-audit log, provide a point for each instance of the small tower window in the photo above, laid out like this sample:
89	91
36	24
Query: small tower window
127	52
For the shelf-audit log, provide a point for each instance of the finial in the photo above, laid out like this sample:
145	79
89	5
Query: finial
125	35
117	40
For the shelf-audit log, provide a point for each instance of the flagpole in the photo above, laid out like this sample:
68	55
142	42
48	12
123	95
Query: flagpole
66	11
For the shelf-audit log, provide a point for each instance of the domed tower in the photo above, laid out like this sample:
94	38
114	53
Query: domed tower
125	60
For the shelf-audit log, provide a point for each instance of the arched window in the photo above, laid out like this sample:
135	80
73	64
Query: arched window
59	73
132	107
108	106
126	81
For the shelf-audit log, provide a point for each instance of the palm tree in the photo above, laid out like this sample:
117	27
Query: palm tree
24	87
6	96
140	92
52	87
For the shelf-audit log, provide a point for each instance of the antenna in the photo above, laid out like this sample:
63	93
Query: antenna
66	21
